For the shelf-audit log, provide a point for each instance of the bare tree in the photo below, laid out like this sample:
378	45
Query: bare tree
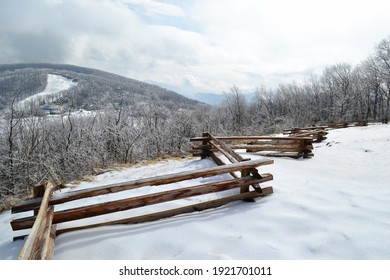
382	55
236	106
9	170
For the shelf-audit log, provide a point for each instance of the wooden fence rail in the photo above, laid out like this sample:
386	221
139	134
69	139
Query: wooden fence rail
344	124
153	181
317	133
233	157
294	147
40	241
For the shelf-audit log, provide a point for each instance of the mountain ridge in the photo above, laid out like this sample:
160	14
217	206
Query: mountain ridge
95	90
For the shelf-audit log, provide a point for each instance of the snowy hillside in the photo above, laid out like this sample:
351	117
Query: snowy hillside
55	85
335	205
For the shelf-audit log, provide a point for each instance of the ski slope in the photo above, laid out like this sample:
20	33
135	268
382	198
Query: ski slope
55	85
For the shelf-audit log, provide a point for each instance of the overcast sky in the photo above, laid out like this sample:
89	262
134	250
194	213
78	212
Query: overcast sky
195	45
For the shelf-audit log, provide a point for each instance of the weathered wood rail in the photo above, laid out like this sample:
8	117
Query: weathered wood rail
317	133
294	147
232	156
344	124
40	241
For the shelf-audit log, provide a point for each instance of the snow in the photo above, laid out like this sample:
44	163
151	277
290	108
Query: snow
55	85
334	206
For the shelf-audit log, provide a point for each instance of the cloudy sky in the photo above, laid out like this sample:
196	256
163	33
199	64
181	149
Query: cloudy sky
195	45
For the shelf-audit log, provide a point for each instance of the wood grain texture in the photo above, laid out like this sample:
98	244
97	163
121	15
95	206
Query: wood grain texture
154	181
177	211
135	202
34	239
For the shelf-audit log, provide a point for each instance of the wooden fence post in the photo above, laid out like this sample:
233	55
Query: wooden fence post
205	151
49	236
38	191
245	189
33	245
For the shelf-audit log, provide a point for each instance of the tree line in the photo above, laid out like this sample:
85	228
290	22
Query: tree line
341	93
71	145
35	148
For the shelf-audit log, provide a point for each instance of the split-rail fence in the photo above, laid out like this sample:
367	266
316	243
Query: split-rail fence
294	147
43	223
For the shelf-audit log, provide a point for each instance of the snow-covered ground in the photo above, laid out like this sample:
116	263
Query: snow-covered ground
335	205
55	85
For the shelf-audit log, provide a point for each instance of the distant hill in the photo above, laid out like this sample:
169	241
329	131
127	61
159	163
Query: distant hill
94	90
217	99
210	98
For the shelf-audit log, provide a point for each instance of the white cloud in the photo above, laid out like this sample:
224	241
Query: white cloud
278	36
195	45
152	7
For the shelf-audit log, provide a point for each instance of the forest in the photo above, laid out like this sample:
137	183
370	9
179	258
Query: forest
129	124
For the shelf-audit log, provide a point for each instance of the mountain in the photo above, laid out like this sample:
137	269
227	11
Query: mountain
218	99
92	89
209	98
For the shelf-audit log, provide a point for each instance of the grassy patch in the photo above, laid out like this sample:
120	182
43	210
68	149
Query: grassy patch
8	202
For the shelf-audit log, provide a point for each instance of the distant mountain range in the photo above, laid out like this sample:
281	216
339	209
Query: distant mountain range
204	97
216	99
209	98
